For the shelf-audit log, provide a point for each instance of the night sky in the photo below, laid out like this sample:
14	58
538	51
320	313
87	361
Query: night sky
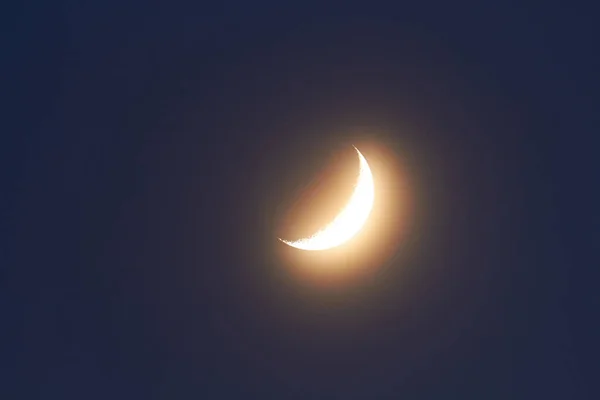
151	149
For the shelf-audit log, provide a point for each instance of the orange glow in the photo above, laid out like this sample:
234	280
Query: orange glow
376	241
349	221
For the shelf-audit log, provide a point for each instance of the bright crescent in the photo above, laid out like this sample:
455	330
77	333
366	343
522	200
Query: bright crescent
349	221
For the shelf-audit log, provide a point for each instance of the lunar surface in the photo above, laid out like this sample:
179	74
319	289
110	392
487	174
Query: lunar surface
351	218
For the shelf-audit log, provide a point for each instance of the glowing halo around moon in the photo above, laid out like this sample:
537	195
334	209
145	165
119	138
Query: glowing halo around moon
349	221
359	232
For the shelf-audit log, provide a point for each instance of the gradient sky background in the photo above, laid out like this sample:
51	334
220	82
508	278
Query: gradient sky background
149	146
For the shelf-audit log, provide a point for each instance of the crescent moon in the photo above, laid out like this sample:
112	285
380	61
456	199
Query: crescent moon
349	221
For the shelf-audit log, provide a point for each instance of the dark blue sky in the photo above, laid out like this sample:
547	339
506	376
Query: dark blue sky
149	147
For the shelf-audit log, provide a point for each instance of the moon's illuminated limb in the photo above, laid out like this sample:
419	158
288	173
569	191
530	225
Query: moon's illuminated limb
350	220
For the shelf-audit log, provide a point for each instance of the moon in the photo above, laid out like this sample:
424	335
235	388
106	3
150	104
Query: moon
351	218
